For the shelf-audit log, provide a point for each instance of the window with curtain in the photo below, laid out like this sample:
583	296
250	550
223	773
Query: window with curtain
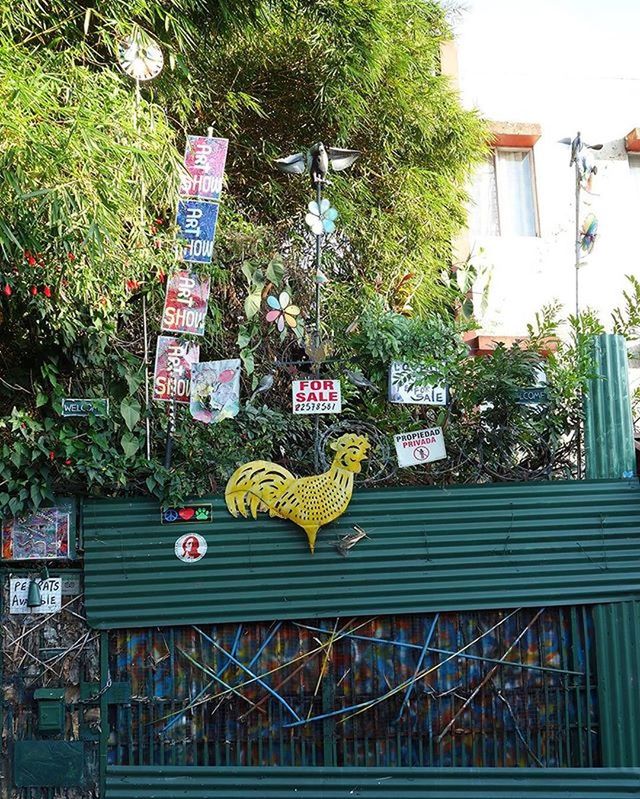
503	195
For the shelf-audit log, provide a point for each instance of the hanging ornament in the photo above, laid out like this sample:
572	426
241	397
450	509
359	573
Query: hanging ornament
282	311
321	278
321	218
588	234
140	59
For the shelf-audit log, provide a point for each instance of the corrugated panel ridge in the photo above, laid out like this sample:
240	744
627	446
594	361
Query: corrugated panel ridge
430	549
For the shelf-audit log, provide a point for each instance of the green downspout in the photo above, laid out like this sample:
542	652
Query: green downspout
608	428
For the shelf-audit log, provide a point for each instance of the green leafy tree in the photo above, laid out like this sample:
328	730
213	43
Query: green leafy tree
89	181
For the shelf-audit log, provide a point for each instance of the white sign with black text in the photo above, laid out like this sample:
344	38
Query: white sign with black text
316	396
50	593
422	446
406	387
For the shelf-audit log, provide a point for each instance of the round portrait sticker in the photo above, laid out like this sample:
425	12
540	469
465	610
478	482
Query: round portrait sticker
190	548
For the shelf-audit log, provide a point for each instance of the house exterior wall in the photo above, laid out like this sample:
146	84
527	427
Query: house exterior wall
567	67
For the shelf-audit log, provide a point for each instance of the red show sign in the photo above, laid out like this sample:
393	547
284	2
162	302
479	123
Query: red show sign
185	304
172	373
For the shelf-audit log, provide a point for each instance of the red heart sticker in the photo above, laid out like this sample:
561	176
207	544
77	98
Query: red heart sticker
186	513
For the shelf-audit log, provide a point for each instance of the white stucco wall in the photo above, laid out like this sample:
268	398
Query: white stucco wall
568	66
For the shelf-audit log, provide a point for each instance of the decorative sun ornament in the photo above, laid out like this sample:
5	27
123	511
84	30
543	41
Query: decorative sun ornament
588	233
321	219
141	60
282	311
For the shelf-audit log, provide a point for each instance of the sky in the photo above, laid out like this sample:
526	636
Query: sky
574	62
592	38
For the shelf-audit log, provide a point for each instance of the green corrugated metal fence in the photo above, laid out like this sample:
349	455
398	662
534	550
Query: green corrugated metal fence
287	783
609	443
617	635
430	549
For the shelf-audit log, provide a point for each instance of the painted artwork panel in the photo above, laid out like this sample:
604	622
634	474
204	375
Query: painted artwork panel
41	536
215	390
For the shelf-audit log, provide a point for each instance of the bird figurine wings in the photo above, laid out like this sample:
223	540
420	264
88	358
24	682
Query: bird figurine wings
316	161
309	502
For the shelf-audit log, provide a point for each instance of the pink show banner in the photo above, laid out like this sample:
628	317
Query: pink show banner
204	160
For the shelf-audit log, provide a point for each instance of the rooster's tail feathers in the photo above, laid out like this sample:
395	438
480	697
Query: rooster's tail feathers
258	483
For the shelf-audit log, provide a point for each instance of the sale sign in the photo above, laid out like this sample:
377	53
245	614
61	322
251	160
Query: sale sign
204	160
406	387
316	396
196	221
172	373
185	304
422	446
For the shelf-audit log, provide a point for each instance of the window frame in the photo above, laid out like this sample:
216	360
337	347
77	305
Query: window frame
534	190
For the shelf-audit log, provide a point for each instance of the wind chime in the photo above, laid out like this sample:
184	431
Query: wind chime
585	233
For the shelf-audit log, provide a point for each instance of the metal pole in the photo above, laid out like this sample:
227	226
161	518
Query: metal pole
147	421
577	240
171	424
318	263
317	337
577	291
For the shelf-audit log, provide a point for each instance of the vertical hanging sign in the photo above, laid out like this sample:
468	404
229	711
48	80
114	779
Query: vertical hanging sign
172	373
185	304
204	160
200	189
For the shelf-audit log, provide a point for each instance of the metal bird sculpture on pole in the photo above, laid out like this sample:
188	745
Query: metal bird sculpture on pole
317	161
584	170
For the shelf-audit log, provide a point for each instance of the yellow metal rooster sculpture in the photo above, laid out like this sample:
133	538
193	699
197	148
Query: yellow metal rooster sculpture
309	502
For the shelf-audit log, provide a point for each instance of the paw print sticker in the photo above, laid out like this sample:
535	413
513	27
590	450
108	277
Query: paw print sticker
203	514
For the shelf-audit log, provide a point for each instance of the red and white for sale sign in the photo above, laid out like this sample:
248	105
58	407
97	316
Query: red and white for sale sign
316	396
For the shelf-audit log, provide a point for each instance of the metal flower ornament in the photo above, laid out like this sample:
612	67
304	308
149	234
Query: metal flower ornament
321	218
282	311
588	233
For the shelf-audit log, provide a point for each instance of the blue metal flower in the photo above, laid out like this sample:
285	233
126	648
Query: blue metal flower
321	219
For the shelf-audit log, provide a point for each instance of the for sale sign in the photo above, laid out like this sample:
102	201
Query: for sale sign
172	373
316	396
196	221
422	446
204	160
185	304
